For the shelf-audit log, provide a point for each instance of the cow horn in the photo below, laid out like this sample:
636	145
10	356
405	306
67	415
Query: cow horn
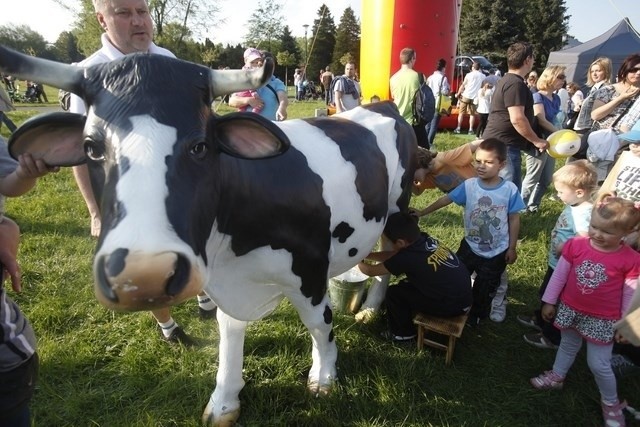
56	74
229	81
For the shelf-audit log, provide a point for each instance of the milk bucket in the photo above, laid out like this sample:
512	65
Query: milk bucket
346	290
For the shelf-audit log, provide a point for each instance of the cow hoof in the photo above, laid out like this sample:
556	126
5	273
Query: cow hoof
227	419
366	315
319	390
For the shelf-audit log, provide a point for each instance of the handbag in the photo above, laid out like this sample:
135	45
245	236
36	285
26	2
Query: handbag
444	101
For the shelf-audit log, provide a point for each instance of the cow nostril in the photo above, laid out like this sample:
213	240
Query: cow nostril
180	277
104	285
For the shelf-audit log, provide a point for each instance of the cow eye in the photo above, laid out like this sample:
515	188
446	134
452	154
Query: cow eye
93	151
199	150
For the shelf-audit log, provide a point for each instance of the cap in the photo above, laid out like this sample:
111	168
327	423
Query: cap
633	136
251	54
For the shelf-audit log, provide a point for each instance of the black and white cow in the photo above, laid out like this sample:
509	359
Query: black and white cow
249	210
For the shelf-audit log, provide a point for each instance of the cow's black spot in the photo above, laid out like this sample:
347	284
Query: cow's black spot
359	146
328	314
342	232
117	262
353	252
331	336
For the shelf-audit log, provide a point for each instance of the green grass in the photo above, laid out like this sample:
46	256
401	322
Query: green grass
100	368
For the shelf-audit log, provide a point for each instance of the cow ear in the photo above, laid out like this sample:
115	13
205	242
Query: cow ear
249	136
56	138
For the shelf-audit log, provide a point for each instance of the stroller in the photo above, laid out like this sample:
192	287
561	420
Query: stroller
311	91
12	89
35	93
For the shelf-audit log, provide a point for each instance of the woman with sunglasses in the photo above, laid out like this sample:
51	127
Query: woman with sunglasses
613	101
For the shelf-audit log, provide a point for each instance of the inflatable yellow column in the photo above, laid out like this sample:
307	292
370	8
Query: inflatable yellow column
428	26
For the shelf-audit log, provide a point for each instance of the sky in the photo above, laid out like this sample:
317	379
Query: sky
589	18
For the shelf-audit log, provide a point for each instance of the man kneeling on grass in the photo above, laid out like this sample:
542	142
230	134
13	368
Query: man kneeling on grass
436	282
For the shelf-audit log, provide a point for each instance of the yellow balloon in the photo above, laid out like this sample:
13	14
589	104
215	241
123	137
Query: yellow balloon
563	143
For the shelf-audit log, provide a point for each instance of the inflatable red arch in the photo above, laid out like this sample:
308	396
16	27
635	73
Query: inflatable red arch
430	27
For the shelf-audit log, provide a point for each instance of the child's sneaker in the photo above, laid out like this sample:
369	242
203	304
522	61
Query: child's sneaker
614	415
548	380
498	312
529	321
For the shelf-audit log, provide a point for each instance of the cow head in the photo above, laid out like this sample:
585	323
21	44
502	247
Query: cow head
150	142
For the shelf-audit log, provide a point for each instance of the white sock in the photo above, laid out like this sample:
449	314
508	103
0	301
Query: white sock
168	327
205	303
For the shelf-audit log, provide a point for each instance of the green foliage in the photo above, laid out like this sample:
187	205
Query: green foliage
489	28
23	39
321	43
347	47
265	25
65	49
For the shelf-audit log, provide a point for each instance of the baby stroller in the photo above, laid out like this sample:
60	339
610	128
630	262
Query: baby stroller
34	93
310	91
12	89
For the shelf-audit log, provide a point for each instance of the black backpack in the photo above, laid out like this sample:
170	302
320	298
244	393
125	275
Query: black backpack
424	103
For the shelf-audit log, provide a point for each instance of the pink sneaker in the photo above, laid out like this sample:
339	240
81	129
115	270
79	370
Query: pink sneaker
548	380
614	415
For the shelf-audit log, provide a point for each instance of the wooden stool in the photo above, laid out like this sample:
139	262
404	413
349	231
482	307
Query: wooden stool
450	327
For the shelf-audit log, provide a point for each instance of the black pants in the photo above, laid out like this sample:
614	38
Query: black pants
16	389
488	272
421	135
404	300
549	331
483	124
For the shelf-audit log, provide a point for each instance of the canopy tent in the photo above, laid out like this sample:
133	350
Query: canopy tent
616	44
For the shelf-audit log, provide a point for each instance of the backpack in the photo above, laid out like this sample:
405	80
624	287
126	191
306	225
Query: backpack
64	99
349	88
423	105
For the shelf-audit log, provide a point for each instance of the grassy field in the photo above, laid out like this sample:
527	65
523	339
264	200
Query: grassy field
100	368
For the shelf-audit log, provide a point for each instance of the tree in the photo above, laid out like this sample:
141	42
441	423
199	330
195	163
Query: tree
65	49
347	47
548	37
286	60
195	16
289	45
490	30
23	39
323	41
265	25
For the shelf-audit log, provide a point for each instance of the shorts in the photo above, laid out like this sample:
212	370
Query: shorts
466	107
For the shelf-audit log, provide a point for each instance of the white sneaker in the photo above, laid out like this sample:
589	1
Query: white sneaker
498	312
471	132
456	130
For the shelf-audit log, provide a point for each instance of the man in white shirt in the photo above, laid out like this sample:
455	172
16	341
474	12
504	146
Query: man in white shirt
347	91
439	85
466	94
128	29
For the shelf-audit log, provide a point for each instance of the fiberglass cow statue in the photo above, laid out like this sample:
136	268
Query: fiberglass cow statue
249	210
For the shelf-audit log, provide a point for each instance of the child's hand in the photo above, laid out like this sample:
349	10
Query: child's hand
415	212
511	256
548	312
29	168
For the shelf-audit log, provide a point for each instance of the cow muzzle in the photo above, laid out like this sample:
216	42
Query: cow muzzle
144	281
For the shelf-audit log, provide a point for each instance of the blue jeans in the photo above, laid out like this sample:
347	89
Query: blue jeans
513	171
432	128
539	175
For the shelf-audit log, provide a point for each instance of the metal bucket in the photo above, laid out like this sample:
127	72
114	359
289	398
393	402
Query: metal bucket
347	290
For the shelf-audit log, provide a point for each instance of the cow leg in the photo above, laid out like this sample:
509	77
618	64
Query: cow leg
376	292
223	408
319	321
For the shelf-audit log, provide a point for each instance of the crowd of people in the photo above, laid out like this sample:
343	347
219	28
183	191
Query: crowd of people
593	260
